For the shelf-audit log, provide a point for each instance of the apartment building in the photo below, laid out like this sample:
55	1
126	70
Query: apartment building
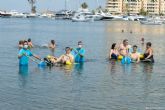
134	6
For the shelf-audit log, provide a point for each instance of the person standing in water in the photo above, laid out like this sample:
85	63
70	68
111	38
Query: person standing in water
113	52
142	41
135	56
52	46
124	50
24	55
79	53
148	54
30	44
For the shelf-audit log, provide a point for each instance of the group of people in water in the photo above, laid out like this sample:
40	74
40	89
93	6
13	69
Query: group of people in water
71	55
124	52
127	53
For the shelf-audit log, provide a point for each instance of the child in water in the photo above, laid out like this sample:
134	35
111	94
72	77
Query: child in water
135	56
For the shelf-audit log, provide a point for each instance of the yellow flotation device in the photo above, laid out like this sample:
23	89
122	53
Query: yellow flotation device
68	63
141	56
120	57
48	56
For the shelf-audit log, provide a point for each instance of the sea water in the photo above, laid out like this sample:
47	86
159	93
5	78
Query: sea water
98	84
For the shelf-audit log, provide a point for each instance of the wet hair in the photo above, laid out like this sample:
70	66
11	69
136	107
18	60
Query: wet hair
21	42
135	46
125	40
113	45
149	44
25	42
80	42
29	40
67	48
52	41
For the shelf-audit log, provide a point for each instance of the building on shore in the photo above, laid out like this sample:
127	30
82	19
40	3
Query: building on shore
152	7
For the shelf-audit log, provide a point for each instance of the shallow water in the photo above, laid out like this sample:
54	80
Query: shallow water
97	84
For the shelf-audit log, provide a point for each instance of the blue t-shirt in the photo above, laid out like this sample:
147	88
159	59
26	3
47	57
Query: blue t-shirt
24	59
76	53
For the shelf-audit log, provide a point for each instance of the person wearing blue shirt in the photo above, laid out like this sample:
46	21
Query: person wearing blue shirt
79	53
24	55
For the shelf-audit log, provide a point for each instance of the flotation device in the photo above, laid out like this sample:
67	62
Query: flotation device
120	57
141	56
68	63
126	60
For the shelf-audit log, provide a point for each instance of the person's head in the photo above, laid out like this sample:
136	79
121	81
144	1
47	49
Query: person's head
142	39
25	44
67	49
21	42
52	42
125	42
113	46
80	44
134	48
148	44
29	40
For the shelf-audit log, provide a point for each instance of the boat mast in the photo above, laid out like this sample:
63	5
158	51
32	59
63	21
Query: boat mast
65	5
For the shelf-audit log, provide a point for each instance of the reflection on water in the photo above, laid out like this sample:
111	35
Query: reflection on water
135	27
79	68
23	75
148	67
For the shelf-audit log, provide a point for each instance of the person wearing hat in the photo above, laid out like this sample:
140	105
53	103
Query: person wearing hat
79	53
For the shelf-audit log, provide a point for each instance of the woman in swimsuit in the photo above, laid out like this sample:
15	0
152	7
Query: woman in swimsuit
114	52
148	55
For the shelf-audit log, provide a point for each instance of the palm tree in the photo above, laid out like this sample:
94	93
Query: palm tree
84	5
33	8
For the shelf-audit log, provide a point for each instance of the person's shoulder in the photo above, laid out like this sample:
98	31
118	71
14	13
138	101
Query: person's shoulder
21	50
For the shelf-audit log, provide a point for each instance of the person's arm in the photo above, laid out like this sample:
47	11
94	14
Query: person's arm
81	53
37	57
138	59
71	58
20	54
59	59
110	53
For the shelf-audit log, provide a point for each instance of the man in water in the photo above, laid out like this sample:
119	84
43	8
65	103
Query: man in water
24	55
66	58
30	44
79	53
124	48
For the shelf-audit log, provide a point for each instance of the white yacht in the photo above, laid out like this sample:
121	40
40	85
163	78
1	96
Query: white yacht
108	16
5	14
151	21
82	17
31	15
16	14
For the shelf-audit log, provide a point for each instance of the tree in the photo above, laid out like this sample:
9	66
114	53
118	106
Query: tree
84	5
143	12
33	8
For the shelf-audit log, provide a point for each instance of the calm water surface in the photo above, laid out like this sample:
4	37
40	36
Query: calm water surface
96	85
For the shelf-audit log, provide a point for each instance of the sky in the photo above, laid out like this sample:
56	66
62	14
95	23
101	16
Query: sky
54	5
